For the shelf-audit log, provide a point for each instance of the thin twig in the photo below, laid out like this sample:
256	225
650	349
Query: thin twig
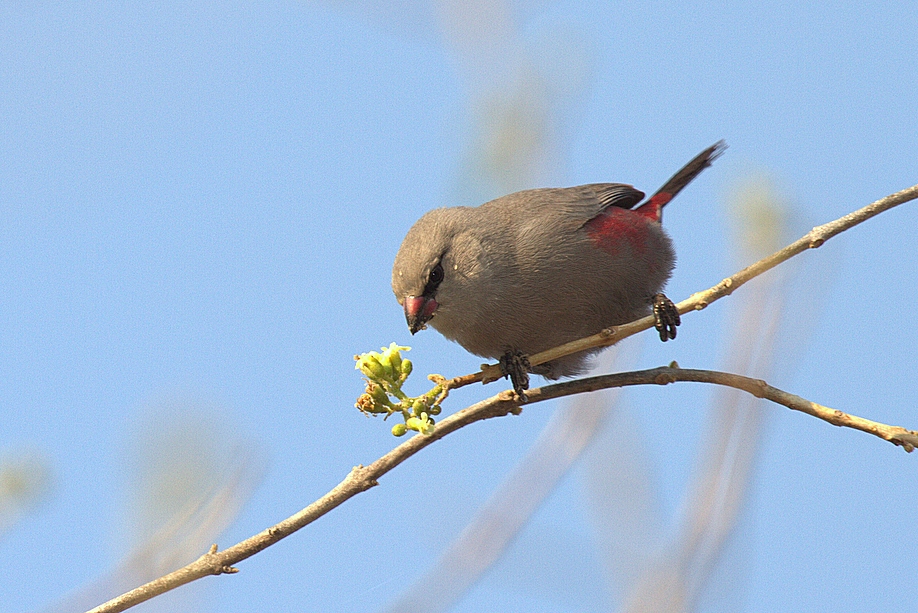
811	240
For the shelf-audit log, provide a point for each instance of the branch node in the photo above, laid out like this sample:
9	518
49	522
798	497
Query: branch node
228	570
816	243
664	378
761	388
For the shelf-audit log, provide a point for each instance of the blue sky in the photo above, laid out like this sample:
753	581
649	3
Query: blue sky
199	207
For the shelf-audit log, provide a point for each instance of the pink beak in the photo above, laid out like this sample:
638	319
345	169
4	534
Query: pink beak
418	311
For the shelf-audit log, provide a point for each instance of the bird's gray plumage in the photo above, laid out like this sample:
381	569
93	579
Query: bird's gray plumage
521	273
542	267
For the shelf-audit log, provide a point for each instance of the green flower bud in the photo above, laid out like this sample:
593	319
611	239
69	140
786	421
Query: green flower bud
422	424
394	358
369	365
406	368
391	359
378	394
399	430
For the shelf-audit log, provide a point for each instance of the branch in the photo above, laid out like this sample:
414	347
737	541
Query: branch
362	478
811	240
907	439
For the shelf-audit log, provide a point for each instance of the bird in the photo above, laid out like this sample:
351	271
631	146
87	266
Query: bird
538	268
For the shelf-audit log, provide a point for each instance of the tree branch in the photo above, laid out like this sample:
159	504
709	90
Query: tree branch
362	478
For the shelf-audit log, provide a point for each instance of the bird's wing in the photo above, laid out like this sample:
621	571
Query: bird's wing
616	194
552	209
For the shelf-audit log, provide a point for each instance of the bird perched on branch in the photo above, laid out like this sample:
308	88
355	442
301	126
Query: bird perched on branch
539	268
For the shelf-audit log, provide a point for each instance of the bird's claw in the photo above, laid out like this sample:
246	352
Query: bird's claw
515	364
666	317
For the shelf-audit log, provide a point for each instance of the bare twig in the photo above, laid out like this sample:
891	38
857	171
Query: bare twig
811	240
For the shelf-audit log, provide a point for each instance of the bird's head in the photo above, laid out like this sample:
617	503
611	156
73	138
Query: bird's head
434	265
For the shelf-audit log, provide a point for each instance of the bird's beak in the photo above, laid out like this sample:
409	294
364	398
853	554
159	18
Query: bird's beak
418	311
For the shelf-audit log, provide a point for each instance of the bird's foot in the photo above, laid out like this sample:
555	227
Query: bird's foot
515	364
666	317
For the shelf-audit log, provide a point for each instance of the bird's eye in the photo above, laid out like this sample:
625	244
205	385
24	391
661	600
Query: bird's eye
436	276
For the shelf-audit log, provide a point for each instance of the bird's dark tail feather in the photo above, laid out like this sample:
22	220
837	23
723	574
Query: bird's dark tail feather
691	170
653	206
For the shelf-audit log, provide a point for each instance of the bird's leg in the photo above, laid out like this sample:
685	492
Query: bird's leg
515	364
666	317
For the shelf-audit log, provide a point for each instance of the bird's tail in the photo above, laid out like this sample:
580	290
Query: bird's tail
653	208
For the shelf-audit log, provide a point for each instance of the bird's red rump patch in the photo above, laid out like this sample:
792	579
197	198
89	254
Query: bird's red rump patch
615	227
653	207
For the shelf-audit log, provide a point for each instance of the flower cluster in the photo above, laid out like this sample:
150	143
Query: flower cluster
385	373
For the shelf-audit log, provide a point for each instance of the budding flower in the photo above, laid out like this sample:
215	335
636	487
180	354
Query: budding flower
385	373
423	424
392	358
369	365
379	395
365	404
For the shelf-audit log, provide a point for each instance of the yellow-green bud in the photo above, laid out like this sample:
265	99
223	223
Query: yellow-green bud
406	367
378	394
369	365
399	430
394	358
422	424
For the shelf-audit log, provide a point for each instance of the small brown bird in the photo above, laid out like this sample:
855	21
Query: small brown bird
542	267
